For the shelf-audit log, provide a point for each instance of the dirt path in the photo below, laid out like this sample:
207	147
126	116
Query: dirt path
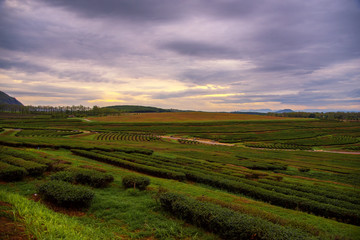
204	141
352	153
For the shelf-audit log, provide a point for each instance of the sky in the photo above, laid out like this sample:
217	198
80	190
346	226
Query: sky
209	55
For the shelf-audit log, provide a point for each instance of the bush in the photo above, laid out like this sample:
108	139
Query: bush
59	167
11	173
84	176
228	224
27	156
92	177
65	176
33	168
304	169
132	181
65	194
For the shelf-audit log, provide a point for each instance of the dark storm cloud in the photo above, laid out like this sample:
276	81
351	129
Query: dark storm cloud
134	10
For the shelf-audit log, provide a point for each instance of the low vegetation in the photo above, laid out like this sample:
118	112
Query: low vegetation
122	182
65	194
132	181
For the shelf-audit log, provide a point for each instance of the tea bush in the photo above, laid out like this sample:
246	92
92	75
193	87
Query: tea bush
33	168
11	173
225	222
65	194
132	181
84	176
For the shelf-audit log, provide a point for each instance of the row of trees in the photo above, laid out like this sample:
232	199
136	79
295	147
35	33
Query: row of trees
59	111
320	115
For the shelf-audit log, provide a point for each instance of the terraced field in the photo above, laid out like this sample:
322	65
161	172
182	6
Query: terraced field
269	185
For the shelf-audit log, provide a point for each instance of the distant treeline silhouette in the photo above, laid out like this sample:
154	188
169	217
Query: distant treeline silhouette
341	116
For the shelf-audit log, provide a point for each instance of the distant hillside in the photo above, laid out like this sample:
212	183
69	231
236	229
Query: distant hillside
251	113
6	99
284	111
137	109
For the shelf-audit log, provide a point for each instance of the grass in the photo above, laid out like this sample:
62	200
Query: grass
43	223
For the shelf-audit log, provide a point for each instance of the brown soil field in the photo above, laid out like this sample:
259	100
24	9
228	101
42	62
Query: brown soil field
182	117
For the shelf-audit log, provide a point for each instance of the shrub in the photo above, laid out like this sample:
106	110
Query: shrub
63	176
92	177
132	181
225	222
11	173
84	176
27	156
93	168
304	169
33	168
59	167
65	194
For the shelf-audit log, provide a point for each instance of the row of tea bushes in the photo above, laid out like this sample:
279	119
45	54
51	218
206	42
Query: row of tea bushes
283	196
56	144
27	156
84	176
65	194
257	165
33	168
138	137
277	198
277	146
332	193
45	133
225	222
131	165
11	173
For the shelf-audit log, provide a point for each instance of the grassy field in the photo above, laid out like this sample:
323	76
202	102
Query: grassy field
287	193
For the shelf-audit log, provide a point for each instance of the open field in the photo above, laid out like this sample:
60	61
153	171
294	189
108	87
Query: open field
181	117
268	179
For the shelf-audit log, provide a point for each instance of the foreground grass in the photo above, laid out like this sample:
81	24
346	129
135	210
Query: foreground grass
43	223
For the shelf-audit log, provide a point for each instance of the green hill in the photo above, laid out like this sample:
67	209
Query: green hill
137	109
6	99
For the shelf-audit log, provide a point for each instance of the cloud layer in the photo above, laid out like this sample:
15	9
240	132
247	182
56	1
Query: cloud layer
203	55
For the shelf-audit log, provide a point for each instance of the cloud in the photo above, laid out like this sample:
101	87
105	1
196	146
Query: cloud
159	52
134	11
199	49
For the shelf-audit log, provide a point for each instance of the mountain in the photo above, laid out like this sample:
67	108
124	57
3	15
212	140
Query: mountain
284	111
137	109
6	99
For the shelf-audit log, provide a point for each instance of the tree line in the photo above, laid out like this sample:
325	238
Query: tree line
340	116
58	111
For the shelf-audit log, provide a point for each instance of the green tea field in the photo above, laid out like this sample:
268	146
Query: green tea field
216	177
